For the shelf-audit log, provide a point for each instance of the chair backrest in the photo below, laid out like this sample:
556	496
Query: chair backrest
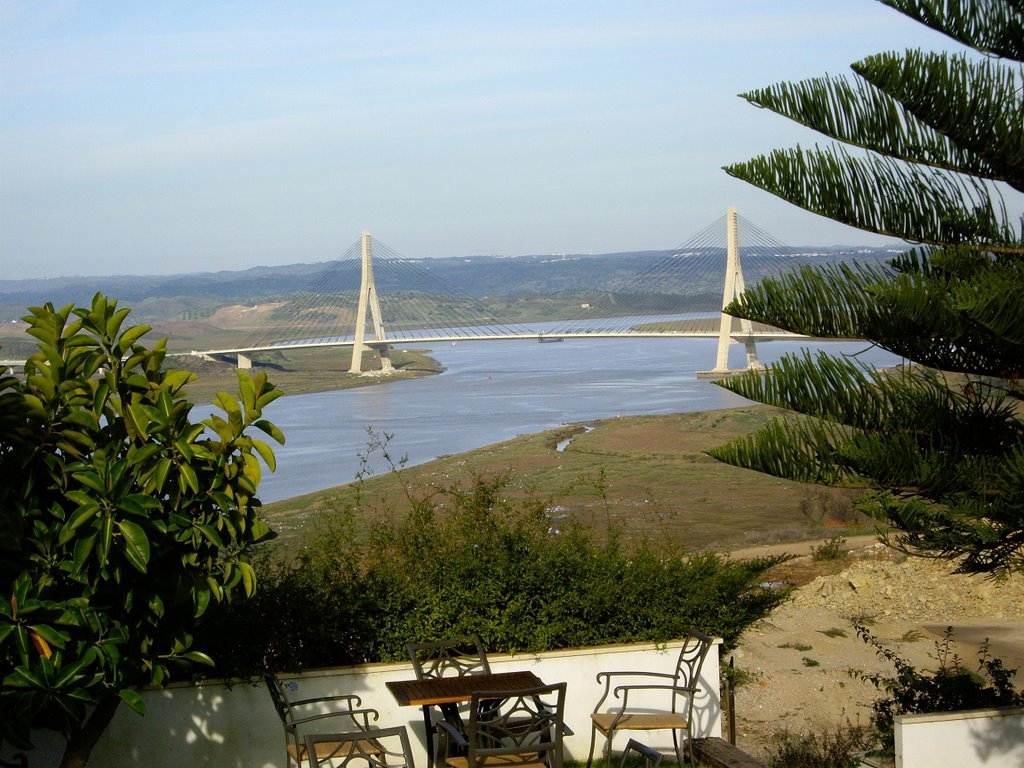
691	658
517	722
277	695
382	748
637	754
442	658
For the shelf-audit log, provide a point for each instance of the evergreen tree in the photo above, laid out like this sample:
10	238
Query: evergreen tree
927	147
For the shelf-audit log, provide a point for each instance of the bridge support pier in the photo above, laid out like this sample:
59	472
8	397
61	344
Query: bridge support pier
244	363
734	287
368	298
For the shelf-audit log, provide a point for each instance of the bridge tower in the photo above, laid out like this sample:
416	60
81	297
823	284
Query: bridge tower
368	297
727	333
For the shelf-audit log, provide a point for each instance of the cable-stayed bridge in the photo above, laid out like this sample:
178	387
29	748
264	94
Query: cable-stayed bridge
372	297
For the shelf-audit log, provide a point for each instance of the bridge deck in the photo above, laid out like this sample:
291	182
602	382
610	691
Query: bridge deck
757	336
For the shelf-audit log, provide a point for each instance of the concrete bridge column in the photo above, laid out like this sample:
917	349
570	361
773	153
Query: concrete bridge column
368	299
734	287
385	359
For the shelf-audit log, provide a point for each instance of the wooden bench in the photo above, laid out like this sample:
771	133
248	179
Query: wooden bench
719	753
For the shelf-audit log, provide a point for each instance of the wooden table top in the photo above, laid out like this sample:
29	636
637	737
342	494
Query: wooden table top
447	690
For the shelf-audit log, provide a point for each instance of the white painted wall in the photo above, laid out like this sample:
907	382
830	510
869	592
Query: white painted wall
237	727
980	738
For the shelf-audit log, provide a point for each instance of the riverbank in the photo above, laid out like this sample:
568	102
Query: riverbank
644	476
303	372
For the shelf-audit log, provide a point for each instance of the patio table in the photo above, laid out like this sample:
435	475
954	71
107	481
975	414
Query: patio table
454	690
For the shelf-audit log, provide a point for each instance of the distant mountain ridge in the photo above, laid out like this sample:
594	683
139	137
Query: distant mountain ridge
162	297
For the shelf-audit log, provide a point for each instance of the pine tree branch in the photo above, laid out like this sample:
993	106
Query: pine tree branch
977	105
844	391
886	196
935	311
990	26
863	116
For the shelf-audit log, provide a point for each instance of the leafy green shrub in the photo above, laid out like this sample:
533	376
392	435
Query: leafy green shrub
950	688
831	549
821	749
466	559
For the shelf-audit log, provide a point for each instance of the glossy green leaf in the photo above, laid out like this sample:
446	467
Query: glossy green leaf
266	453
133	699
270	429
248	578
201	596
105	539
84	547
131	335
227	403
136	544
163	467
198	657
51	635
188	475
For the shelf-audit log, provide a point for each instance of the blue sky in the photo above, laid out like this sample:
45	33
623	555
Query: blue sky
160	137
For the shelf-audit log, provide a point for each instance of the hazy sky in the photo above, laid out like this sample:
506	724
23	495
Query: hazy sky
155	137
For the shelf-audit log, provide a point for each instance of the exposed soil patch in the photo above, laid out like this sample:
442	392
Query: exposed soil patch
799	657
244	317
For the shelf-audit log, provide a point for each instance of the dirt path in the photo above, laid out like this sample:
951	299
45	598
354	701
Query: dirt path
800	548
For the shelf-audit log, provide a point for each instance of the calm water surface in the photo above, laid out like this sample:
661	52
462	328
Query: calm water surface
493	391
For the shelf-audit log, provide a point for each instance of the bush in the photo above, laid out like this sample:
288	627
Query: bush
821	749
950	688
465	559
830	549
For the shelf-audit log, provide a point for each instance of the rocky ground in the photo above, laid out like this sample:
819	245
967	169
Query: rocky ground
798	660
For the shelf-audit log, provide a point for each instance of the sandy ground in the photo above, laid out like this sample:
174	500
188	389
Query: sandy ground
799	658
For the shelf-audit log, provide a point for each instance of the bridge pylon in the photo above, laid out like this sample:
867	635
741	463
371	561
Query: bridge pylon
734	287
368	298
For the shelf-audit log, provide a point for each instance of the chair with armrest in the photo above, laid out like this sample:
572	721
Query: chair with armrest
632	692
443	658
510	729
343	711
447	658
381	748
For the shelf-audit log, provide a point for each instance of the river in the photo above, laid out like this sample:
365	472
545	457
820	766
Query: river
492	391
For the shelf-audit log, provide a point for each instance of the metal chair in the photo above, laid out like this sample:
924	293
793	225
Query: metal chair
637	754
441	658
511	729
675	691
381	748
447	658
296	716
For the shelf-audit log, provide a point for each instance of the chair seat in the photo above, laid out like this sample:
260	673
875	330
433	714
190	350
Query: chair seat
330	748
527	760
652	721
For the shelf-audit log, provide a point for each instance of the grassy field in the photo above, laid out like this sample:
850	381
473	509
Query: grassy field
645	475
